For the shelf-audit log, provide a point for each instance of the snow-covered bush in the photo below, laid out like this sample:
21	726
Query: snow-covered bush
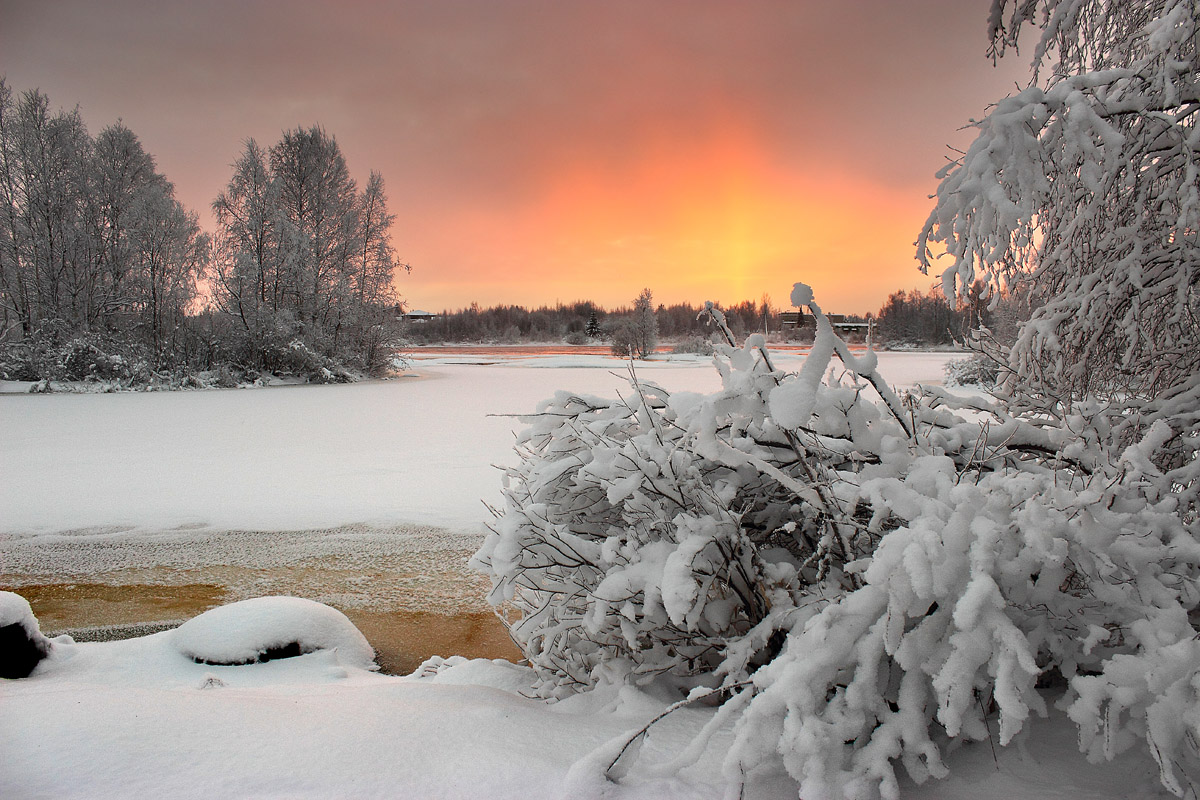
863	580
977	369
56	353
83	357
696	345
24	361
619	553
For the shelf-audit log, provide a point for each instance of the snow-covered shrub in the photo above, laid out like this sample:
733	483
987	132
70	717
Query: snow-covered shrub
225	378
620	334
977	369
56	353
696	345
83	357
618	552
21	361
863	577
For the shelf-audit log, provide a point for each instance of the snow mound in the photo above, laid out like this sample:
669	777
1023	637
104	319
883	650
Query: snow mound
266	628
22	644
496	673
15	610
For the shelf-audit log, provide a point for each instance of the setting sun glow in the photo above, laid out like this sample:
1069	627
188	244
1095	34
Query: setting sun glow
713	218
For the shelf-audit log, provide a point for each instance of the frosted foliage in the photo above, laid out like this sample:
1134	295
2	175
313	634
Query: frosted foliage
1087	186
861	578
802	294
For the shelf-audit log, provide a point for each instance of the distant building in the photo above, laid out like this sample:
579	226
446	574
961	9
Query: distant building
791	319
842	325
418	316
797	319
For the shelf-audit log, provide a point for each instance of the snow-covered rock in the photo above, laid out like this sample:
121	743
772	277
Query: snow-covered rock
22	645
266	628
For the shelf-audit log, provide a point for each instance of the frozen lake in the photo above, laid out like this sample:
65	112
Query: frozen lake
417	450
152	507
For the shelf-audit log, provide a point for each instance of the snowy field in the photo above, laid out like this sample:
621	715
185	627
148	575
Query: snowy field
417	450
141	486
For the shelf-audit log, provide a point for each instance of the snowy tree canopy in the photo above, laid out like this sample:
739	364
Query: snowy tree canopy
1086	185
91	234
303	259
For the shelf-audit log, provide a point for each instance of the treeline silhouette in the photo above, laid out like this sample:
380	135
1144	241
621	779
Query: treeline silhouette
578	322
908	318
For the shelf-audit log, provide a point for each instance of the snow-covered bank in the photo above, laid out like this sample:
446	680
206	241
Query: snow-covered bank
138	718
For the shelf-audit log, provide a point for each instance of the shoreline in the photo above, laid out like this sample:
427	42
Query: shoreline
406	587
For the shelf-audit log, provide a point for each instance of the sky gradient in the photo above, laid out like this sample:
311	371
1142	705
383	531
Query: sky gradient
536	152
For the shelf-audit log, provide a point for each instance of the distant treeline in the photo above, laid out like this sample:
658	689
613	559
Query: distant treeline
913	318
925	319
579	322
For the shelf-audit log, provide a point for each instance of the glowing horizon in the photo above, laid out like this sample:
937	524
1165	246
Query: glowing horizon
706	220
539	153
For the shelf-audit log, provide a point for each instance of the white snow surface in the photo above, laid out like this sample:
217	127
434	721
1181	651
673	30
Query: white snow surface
420	449
140	718
242	632
137	718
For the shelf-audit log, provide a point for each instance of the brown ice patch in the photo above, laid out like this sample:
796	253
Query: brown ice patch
94	605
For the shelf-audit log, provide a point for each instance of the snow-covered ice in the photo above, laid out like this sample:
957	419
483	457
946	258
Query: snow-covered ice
416	450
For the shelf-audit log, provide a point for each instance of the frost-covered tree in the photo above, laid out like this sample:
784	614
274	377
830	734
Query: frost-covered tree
1086	187
635	335
644	325
319	200
303	256
45	264
93	244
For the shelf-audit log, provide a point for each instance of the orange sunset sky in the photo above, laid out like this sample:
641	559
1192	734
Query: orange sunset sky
537	152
